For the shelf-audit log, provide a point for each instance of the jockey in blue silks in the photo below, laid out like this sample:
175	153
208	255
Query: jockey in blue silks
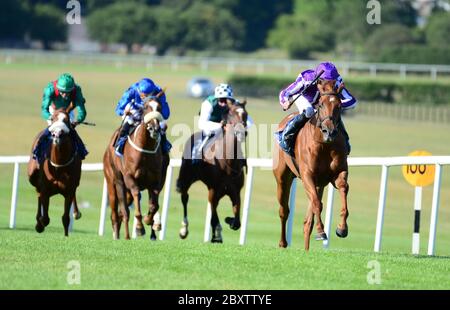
130	107
305	103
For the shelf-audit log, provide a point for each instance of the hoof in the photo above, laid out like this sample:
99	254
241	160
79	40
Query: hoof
216	240
39	227
283	244
140	231
341	233
183	235
77	216
44	221
153	236
321	236
232	222
156	226
147	220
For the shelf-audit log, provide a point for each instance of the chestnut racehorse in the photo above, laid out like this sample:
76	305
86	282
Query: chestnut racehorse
59	173
320	158
143	166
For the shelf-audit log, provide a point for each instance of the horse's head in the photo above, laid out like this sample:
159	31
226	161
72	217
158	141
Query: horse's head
328	109
152	117
60	125
237	117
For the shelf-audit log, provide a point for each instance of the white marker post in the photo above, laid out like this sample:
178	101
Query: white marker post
417	209
418	176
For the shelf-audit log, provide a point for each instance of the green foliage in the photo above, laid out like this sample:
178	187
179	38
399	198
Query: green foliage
304	31
388	36
398	12
258	17
48	24
13	19
438	30
423	92
122	22
207	27
415	53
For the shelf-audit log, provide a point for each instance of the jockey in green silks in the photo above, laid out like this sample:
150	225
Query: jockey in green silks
61	94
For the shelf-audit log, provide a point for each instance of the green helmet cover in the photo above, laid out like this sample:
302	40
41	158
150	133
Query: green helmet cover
65	83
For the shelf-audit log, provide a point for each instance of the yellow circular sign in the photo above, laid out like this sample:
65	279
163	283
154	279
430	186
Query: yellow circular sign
419	175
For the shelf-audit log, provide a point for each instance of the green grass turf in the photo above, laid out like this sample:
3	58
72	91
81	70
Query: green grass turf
31	260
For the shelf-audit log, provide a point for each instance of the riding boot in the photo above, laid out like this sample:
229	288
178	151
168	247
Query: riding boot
120	142
41	146
81	149
286	138
346	136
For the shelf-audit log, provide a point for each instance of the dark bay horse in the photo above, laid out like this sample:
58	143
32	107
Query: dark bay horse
320	158
221	170
59	173
143	166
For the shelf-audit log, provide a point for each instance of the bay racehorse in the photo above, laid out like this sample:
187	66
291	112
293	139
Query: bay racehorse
320	158
221	170
142	167
59	173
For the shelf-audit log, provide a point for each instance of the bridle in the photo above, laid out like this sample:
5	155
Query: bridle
146	121
65	129
320	106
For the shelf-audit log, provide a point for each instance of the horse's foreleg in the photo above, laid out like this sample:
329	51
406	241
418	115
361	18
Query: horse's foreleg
66	216
213	199
342	186
314	208
39	227
45	201
321	235
235	222
134	189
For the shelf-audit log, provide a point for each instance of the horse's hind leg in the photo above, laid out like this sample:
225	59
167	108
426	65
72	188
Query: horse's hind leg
284	177
39	226
115	219
66	217
342	186
121	197
76	211
184	230
149	219
184	182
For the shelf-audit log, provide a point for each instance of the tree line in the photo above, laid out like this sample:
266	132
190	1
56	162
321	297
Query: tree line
301	28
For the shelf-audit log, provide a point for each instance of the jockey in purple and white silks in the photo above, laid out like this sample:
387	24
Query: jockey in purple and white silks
305	103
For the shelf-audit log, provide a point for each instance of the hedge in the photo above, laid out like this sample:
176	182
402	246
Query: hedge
393	91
